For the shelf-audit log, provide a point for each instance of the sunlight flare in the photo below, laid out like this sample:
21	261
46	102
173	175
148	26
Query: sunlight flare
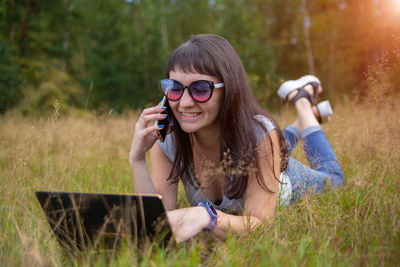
396	5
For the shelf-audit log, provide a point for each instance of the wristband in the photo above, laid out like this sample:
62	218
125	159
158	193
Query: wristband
213	215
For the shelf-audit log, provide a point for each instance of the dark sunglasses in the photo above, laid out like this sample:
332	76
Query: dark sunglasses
201	91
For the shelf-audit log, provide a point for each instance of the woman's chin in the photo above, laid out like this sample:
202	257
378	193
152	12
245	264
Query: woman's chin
189	128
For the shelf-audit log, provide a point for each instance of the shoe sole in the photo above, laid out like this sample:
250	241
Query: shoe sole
325	110
291	85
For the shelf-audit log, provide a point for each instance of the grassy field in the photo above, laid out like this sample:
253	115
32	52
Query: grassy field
356	225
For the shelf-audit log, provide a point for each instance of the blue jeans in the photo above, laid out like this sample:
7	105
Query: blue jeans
323	162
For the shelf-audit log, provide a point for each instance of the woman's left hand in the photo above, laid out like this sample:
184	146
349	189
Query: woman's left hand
188	222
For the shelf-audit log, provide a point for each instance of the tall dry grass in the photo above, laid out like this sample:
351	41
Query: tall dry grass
358	224
85	154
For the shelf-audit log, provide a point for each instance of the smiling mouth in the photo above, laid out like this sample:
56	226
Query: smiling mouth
190	114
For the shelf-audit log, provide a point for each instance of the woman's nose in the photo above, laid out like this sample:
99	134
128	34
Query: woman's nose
186	100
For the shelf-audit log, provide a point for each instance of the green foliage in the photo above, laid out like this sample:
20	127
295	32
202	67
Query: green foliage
9	88
123	54
56	86
256	31
116	50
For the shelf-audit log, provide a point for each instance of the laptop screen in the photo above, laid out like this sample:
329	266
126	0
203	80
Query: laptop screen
84	221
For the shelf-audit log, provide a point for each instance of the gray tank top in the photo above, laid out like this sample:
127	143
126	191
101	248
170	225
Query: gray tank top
195	195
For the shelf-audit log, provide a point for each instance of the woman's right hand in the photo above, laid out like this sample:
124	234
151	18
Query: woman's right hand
145	136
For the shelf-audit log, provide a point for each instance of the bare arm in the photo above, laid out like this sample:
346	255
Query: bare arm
160	169
143	140
259	202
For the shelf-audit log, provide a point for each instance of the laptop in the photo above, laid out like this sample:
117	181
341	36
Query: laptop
86	221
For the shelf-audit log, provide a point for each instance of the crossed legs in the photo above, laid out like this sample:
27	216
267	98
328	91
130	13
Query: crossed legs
324	166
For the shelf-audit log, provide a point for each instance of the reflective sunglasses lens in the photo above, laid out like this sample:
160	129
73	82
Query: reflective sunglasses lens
166	84
175	92
201	91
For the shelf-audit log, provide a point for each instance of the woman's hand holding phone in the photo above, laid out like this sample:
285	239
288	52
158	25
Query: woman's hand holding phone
145	136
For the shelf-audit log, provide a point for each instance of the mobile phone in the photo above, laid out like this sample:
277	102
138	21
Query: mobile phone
162	133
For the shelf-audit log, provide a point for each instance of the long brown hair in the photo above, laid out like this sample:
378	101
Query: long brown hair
213	55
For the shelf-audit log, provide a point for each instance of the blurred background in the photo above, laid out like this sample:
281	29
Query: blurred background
110	55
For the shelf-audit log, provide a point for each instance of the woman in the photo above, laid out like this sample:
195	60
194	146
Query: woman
227	151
